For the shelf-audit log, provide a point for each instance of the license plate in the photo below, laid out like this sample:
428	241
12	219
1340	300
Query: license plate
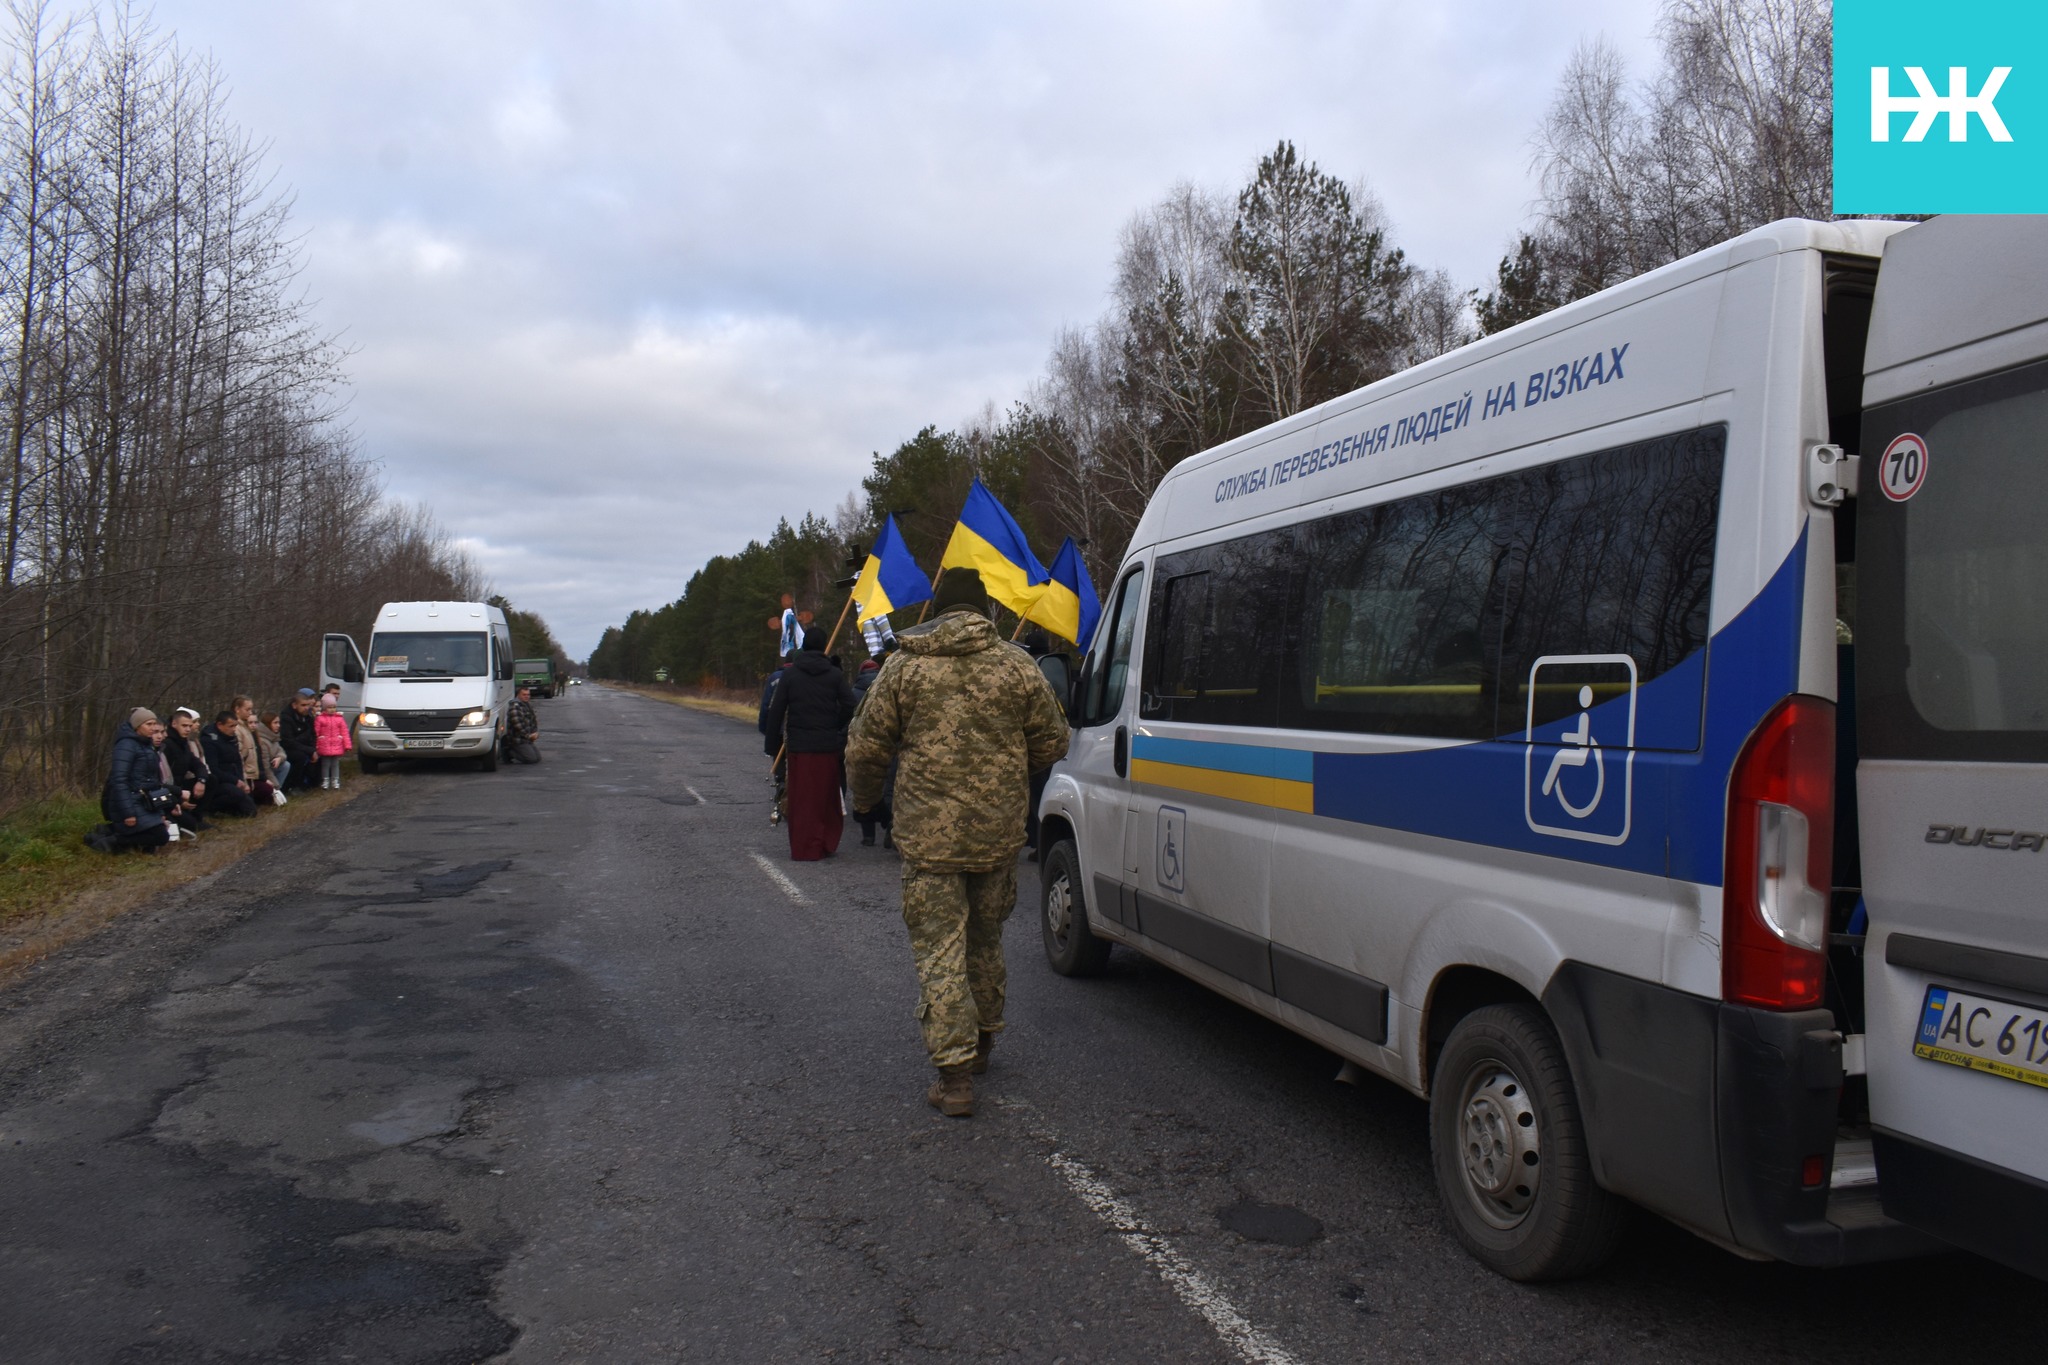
425	743
1984	1034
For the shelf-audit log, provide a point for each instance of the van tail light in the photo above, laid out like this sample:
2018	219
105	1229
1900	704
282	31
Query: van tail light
1781	837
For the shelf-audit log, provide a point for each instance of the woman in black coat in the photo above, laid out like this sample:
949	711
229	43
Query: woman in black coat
135	797
807	719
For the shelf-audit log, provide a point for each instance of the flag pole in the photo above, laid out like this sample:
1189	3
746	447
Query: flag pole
833	638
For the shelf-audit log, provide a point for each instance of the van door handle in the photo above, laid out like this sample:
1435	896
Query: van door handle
1121	753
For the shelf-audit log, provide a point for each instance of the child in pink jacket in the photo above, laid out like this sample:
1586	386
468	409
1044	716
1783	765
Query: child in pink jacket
330	741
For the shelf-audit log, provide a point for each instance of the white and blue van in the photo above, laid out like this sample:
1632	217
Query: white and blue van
436	684
1494	727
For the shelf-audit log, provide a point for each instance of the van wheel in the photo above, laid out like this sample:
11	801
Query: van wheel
1510	1150
489	762
1063	915
367	764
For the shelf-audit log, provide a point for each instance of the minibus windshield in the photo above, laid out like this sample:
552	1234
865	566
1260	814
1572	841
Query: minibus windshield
428	654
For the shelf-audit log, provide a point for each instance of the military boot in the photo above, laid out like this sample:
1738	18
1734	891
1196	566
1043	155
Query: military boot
952	1094
984	1044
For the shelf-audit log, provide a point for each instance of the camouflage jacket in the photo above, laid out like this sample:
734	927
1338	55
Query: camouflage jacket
971	718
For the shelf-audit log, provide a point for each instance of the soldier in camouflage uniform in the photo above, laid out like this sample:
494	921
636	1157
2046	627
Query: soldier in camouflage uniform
971	718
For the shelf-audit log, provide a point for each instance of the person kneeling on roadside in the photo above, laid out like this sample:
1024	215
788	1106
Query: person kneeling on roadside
136	798
188	768
970	718
228	793
295	733
522	728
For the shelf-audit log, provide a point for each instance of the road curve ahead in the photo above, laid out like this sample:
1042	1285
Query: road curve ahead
571	1063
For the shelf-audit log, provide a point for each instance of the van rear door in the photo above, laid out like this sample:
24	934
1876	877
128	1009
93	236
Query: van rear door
1952	693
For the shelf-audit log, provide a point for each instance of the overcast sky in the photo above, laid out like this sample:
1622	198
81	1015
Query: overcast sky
625	282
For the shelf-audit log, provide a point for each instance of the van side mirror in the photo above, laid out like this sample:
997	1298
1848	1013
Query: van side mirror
1059	673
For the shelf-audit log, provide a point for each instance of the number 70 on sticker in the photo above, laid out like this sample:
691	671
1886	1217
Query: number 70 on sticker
1903	468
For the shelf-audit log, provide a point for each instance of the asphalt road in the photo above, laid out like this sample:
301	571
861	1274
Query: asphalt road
549	1065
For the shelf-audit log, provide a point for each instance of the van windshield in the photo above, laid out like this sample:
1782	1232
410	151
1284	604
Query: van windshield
429	654
1961	557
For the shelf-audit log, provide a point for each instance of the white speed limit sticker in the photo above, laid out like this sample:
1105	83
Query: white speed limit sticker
1904	467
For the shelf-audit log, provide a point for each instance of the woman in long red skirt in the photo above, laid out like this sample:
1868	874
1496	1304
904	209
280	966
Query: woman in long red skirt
807	722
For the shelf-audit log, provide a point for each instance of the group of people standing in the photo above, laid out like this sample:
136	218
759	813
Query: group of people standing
806	706
169	780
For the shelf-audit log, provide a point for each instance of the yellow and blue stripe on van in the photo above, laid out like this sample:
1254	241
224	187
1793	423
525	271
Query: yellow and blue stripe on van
1281	778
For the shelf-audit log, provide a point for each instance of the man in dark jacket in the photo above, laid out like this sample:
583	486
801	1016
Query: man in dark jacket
522	728
295	733
135	797
188	768
228	792
807	721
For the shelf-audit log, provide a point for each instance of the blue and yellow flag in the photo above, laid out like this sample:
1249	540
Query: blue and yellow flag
1067	605
890	579
989	539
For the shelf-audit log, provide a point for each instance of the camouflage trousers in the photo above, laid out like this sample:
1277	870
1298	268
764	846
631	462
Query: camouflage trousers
956	934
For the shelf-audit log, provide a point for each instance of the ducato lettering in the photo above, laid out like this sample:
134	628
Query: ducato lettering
2005	840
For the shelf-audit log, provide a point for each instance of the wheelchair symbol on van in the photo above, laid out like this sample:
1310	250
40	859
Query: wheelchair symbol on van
1580	720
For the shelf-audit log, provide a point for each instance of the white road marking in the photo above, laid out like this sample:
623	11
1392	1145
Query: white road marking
789	888
699	795
1251	1345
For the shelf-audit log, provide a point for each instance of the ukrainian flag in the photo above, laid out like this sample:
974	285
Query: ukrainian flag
1067	605
989	539
890	579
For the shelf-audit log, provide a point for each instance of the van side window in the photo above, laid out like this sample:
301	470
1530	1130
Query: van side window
1214	647
1104	686
1401	617
502	644
1617	555
1425	616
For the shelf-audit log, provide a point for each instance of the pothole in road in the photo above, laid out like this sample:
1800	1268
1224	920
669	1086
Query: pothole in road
459	881
1275	1223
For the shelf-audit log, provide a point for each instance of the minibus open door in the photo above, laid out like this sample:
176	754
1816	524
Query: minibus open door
342	663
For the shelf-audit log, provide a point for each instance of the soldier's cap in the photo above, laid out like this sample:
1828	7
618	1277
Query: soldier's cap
960	590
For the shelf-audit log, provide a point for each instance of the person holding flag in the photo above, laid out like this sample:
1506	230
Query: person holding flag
889	581
988	540
1067	605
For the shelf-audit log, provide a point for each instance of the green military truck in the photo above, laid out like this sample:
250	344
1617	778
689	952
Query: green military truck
538	674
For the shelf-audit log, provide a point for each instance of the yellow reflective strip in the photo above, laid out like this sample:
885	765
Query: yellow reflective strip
1278	792
1324	689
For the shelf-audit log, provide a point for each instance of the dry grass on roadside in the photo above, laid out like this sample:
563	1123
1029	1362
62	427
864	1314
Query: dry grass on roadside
726	705
54	890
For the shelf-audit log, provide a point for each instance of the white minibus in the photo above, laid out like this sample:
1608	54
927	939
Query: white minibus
1494	727
435	685
1953	724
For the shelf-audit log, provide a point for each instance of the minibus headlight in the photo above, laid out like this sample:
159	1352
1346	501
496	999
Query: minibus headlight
475	718
370	720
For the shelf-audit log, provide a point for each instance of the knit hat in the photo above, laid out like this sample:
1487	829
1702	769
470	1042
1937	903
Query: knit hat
140	717
960	590
306	692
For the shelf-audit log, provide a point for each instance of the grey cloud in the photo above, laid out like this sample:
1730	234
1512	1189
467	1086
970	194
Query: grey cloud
626	283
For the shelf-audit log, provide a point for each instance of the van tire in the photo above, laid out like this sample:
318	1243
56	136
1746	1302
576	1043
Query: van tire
1502	1105
1063	915
367	764
489	762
